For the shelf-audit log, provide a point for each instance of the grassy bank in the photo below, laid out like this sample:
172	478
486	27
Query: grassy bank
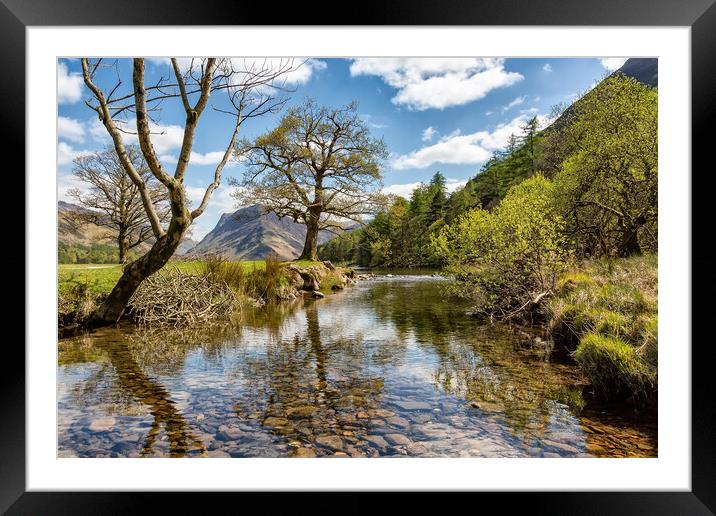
605	313
82	287
101	278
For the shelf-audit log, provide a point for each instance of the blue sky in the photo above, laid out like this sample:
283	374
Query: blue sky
446	114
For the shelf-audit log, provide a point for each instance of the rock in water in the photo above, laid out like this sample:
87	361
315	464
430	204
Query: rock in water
330	441
102	424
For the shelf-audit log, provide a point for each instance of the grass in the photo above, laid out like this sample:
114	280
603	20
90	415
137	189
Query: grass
606	314
614	366
101	278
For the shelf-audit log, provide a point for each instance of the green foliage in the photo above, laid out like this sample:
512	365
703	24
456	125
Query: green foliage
399	234
509	258
96	253
607	186
504	169
76	302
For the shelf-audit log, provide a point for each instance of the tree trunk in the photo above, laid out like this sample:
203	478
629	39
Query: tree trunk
122	245
114	305
629	244
310	247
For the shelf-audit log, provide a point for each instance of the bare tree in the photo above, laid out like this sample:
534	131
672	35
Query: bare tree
248	90
319	166
113	200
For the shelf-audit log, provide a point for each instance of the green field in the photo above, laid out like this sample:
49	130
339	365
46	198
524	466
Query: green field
103	277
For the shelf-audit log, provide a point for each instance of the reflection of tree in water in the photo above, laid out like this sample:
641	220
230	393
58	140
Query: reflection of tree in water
134	381
504	380
313	383
477	362
120	382
415	308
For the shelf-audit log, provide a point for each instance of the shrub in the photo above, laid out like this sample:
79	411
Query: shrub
175	298
508	259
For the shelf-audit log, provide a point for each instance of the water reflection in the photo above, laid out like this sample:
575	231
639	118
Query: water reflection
387	368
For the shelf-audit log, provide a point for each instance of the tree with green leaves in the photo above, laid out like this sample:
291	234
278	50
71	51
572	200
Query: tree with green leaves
438	204
320	166
608	185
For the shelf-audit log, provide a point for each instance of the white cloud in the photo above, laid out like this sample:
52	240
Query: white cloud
69	85
547	68
425	83
70	129
613	63
516	102
66	153
428	134
405	190
370	120
165	138
459	149
221	200
67	182
197	158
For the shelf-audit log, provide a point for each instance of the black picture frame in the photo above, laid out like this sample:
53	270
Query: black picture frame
700	15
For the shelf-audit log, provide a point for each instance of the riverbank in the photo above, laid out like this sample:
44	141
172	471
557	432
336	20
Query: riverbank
82	288
605	315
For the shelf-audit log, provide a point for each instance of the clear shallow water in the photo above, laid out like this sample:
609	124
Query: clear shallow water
385	368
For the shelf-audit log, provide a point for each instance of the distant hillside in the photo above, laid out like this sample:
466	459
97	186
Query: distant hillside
82	239
251	234
70	234
644	70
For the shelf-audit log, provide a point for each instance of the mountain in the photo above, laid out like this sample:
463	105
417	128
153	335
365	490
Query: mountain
70	233
251	234
644	70
87	235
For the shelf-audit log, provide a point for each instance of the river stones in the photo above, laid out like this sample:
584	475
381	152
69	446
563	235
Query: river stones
102	424
303	453
218	454
377	441
381	413
330	441
275	422
227	433
300	411
398	421
417	449
397	439
412	405
563	447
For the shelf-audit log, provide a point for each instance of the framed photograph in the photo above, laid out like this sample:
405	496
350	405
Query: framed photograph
457	238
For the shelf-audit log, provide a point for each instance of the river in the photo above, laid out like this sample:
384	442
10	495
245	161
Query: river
386	368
